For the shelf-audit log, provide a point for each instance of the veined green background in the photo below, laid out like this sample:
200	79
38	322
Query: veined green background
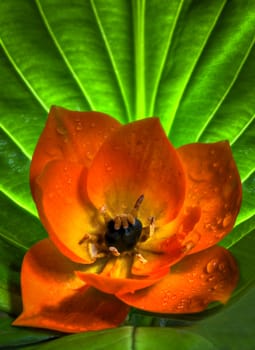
189	62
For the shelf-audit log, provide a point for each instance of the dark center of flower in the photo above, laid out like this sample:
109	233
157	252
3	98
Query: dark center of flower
123	238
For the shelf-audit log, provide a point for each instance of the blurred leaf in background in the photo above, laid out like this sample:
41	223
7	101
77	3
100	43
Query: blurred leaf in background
189	62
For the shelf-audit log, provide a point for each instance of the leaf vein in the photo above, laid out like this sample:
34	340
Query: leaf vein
22	77
12	242
227	90
112	59
14	140
242	130
164	57
17	202
138	10
189	75
63	55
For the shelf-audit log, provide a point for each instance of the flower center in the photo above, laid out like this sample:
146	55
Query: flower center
121	234
125	237
124	231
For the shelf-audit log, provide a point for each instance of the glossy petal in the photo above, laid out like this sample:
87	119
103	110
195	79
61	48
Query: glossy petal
160	253
54	298
73	136
66	216
116	277
138	159
210	275
213	185
171	238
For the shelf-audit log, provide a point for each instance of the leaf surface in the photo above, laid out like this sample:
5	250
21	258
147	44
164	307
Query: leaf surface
191	63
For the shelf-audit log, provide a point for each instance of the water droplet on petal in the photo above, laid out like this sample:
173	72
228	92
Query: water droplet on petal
222	267
78	127
211	278
212	265
216	189
220	235
219	286
188	246
227	220
219	220
184	304
89	155
69	180
203	276
92	125
61	130
53	152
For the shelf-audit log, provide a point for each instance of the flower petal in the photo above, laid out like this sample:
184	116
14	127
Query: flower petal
210	275
214	185
159	254
166	246
170	237
67	217
73	136
138	159
116	277
54	298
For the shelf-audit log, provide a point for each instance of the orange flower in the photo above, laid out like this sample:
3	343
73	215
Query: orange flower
131	221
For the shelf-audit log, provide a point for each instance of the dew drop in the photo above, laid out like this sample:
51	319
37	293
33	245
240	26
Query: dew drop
219	286
219	220
203	276
219	235
222	267
53	152
89	155
92	125
227	220
191	280
212	265
61	130
215	164
216	189
188	246
78	127
108	167
211	278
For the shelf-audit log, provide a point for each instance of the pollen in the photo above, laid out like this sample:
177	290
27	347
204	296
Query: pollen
123	232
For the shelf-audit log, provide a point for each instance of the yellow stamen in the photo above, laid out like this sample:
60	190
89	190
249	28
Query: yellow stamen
114	251
141	258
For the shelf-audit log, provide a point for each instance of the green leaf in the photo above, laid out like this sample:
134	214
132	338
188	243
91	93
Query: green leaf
14	336
234	327
189	62
127	338
116	339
